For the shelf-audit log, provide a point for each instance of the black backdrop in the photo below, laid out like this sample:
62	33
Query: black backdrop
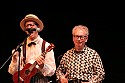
104	19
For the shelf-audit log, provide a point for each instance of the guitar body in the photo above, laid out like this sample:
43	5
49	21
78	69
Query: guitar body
25	74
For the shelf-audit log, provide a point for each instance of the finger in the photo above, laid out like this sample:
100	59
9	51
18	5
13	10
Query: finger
66	74
40	61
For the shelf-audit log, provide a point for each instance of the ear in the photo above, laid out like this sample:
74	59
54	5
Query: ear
86	39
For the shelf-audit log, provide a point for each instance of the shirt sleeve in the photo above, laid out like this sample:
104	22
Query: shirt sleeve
99	72
49	65
13	66
61	68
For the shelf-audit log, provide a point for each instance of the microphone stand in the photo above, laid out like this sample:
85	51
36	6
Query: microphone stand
19	50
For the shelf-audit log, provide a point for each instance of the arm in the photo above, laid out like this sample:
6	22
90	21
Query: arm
61	76
61	71
49	64
99	72
13	66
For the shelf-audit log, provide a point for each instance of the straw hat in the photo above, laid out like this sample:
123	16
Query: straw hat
33	18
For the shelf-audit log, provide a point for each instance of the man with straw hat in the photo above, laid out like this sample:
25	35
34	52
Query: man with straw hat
33	47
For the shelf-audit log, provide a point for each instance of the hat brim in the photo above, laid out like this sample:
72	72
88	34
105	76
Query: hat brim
39	22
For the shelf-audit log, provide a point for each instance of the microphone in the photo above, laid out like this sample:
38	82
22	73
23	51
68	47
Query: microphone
30	30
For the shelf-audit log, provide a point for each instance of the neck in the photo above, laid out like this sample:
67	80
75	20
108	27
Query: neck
79	48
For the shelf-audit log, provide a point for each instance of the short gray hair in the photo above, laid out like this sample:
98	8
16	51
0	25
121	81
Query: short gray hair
81	27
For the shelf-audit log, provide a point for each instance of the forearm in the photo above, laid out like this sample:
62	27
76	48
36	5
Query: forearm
13	64
97	78
12	68
49	67
99	72
59	73
47	70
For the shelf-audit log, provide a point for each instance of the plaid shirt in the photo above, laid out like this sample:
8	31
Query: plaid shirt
85	65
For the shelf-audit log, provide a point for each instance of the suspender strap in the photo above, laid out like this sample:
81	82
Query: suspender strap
43	45
24	51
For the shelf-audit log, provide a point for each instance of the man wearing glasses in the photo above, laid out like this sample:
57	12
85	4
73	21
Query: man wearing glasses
80	64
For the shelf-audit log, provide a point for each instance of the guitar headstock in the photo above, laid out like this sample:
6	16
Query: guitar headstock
50	47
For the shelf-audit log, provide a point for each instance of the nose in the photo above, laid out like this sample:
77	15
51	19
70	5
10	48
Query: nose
78	38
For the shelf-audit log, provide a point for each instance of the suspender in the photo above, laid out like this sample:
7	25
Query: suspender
43	45
24	49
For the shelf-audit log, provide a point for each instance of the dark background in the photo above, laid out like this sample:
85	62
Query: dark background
105	21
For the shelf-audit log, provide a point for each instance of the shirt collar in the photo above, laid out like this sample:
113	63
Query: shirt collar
85	47
35	40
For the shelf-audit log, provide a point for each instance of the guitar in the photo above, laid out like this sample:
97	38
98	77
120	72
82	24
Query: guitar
29	70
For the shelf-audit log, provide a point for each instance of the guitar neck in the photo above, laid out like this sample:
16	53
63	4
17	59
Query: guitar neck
43	54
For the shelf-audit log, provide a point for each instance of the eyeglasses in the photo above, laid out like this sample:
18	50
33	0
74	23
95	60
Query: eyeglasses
79	36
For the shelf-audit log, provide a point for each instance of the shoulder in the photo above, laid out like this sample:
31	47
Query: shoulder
69	52
91	51
41	41
47	44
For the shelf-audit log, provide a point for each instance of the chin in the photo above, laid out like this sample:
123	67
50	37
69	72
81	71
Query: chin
31	37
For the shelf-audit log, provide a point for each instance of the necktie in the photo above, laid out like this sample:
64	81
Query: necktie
31	43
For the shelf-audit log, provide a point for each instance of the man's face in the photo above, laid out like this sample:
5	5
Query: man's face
29	25
79	38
